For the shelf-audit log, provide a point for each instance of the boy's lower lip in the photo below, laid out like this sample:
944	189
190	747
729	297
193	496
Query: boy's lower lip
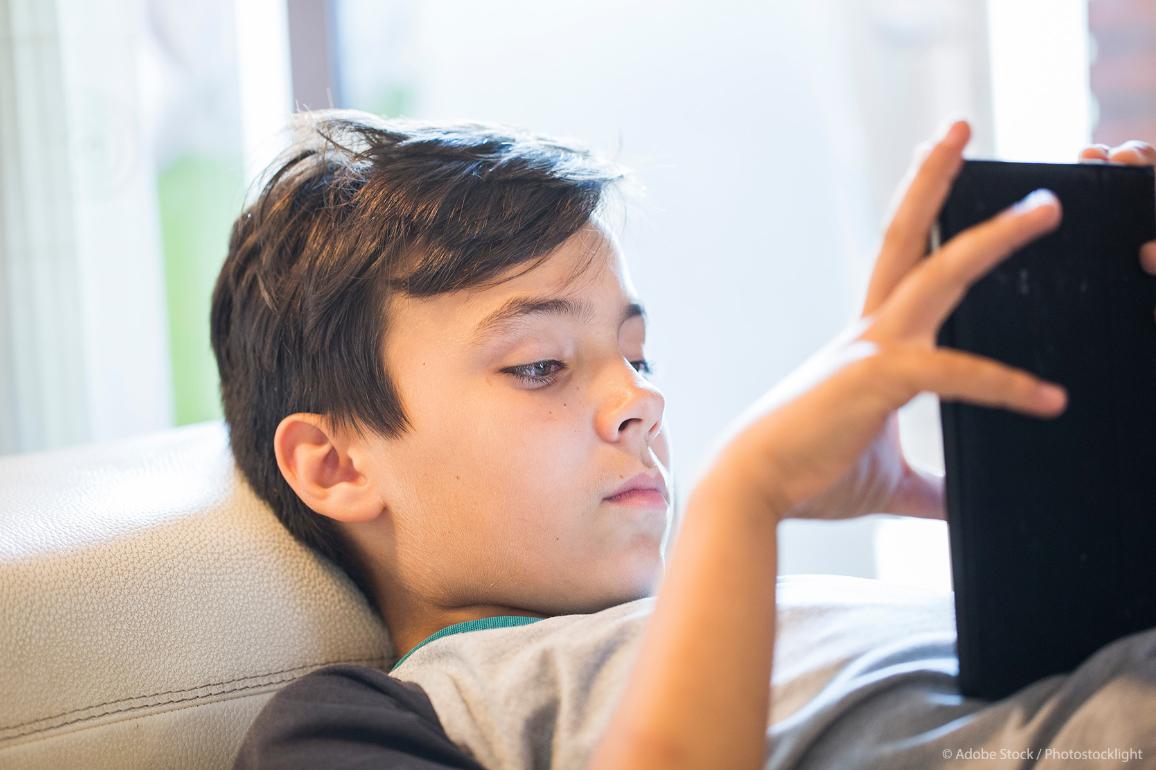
639	498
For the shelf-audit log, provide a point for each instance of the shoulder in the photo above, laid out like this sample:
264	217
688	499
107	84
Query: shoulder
344	684
348	715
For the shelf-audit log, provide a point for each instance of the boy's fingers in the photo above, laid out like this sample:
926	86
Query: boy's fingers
1148	257
1095	152
934	287
926	185
1137	153
958	375
1133	152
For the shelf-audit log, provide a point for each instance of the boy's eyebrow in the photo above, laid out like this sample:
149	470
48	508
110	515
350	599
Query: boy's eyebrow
520	307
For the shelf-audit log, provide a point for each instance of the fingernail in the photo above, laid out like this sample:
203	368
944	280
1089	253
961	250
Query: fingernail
1137	145
1051	396
949	128
1035	199
1101	149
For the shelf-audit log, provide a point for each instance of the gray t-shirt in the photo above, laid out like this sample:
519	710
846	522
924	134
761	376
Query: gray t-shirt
863	677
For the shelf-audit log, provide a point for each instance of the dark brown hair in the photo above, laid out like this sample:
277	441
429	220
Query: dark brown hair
356	209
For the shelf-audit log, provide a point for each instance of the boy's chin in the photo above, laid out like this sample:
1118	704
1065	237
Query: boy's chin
611	598
640	587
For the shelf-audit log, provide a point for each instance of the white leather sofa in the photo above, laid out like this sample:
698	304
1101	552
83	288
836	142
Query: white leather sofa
151	604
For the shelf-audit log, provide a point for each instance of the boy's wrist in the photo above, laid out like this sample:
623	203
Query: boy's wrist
748	484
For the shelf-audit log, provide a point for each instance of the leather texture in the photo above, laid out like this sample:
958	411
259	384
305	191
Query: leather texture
150	604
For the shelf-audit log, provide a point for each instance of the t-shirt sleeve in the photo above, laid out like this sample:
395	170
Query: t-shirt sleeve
349	716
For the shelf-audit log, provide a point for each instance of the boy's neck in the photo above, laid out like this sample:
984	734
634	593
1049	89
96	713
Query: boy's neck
410	622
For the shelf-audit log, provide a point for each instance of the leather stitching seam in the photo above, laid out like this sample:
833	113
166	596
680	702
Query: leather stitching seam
250	682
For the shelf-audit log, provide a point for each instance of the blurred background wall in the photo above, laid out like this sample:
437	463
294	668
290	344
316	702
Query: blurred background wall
770	137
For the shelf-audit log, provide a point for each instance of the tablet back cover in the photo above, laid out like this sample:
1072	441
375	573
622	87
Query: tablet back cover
1052	522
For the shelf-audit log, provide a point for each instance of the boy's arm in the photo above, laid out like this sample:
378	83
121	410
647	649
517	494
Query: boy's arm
699	694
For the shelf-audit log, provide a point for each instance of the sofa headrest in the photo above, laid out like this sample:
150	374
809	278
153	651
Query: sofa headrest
151	604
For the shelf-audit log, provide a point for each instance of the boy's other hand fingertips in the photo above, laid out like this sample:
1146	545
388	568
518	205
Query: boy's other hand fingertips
1097	152
1133	152
1148	257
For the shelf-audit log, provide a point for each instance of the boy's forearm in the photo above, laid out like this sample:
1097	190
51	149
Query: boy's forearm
699	695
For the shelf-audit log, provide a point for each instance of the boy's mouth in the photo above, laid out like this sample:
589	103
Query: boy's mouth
643	498
642	489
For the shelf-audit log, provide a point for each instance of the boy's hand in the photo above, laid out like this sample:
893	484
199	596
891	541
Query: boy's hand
1134	153
824	442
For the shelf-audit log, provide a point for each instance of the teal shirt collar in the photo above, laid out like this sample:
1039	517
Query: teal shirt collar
497	621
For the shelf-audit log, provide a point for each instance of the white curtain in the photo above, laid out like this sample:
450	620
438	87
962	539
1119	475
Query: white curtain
83	335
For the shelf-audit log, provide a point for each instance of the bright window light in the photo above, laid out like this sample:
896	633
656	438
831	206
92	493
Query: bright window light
1040	79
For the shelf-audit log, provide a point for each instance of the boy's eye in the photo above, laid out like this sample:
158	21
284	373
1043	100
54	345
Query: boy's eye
643	365
546	372
537	373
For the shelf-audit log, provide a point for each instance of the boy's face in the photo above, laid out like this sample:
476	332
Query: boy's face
497	496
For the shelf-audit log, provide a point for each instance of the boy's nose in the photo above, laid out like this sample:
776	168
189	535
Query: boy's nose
638	406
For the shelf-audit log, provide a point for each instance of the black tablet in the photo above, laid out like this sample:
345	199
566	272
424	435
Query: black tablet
1052	522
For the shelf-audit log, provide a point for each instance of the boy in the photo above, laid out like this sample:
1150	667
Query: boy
432	365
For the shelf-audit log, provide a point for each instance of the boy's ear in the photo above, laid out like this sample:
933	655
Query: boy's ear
325	468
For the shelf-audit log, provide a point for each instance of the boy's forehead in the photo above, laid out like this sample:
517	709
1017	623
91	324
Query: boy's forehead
568	275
